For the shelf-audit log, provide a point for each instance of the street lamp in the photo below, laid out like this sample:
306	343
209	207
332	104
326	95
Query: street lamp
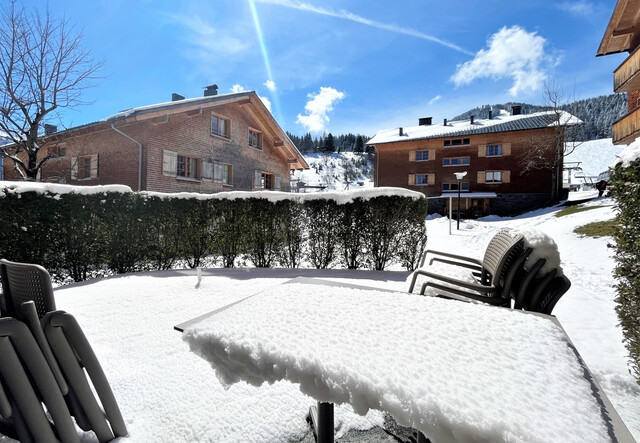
459	176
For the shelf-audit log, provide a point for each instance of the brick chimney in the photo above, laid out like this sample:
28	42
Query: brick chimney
210	90
50	129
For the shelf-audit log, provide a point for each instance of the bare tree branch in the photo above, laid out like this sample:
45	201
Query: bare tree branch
43	68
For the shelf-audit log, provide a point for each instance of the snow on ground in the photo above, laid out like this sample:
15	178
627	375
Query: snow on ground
328	171
168	394
595	156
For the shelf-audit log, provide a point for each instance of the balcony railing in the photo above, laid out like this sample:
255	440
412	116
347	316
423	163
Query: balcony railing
626	77
627	129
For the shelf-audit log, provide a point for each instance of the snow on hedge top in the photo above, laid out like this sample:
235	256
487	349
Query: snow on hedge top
342	197
20	187
456	371
273	196
629	154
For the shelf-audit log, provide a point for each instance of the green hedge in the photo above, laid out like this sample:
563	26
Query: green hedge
625	183
78	235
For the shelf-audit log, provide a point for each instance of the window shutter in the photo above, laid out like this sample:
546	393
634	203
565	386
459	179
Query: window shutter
278	183
412	156
74	168
169	163
481	177
412	179
94	166
431	179
257	179
432	154
506	176
506	149
482	151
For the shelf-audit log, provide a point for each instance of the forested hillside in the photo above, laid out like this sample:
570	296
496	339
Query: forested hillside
597	113
329	143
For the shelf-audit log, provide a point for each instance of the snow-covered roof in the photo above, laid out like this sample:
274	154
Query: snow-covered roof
174	104
459	128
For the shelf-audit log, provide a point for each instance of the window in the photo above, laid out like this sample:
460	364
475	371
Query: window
57	151
493	177
222	173
84	167
455	161
220	126
187	167
457	142
422	156
266	180
255	139
454	186
422	179
494	150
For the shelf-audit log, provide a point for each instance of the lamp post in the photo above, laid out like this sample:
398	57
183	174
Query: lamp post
459	176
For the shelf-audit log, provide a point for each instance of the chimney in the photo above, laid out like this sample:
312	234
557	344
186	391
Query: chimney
472	119
50	129
490	114
210	90
445	122
516	110
400	131
425	121
176	97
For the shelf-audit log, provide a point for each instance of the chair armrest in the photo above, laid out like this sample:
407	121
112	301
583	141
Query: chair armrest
450	255
454	281
456	294
31	314
475	267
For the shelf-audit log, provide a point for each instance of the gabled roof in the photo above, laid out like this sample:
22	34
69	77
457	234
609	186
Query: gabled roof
253	105
459	128
622	28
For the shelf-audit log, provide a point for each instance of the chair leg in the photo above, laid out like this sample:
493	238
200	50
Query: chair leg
321	417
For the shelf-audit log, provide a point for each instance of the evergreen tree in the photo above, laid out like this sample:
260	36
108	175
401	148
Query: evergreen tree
329	144
359	148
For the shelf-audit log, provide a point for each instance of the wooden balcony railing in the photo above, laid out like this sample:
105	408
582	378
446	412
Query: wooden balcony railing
627	129
626	77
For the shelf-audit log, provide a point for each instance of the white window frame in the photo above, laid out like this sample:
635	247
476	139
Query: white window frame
493	177
495	147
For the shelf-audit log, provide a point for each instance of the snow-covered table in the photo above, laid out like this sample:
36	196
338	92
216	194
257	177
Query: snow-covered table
455	371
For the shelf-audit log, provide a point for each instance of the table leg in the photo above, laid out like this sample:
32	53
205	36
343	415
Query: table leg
322	422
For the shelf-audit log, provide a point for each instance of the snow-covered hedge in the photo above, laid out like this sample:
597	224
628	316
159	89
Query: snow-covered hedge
81	232
625	182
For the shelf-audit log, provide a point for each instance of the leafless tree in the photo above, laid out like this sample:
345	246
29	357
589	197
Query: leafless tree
548	151
43	69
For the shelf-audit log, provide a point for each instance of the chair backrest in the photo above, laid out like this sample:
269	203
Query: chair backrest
548	296
23	282
504	248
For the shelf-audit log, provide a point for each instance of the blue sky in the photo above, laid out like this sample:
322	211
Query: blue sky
342	66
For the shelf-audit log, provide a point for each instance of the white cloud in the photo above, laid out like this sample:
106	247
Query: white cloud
435	99
266	101
578	7
318	107
270	84
512	53
346	15
237	88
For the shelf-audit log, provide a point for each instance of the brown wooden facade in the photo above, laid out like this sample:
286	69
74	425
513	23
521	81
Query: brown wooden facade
495	182
210	144
623	35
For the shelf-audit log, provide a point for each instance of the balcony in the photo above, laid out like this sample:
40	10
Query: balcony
627	129
626	77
